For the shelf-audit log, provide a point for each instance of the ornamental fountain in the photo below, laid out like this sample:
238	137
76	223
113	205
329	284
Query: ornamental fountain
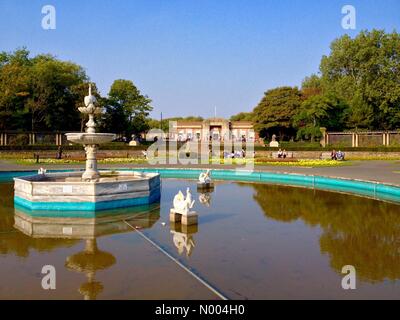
92	190
90	140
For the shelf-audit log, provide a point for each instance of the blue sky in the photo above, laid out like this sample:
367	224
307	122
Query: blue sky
190	56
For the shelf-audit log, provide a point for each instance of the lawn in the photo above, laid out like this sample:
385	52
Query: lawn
296	163
68	161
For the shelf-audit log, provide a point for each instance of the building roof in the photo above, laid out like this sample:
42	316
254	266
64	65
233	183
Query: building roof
186	123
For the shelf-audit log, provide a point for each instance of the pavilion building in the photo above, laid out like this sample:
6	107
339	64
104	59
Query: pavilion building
216	129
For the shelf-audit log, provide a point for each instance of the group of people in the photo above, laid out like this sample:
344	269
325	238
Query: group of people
235	154
339	155
282	154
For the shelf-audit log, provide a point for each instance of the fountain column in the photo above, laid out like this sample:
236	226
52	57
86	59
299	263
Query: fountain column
91	173
90	139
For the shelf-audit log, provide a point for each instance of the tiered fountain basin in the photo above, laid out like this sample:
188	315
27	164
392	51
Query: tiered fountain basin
66	191
90	138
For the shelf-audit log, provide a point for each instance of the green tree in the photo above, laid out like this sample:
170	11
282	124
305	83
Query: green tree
361	114
368	66
243	116
319	111
37	93
79	92
14	88
275	112
126	109
311	86
52	103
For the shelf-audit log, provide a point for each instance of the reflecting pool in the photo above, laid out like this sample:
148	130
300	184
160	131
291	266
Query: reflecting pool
253	241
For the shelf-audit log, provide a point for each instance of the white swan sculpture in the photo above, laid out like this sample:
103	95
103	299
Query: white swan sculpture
181	204
205	177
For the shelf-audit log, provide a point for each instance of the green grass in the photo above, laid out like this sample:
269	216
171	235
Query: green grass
299	163
66	161
306	163
47	161
122	160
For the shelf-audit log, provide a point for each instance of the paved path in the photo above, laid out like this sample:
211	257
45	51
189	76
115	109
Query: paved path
381	171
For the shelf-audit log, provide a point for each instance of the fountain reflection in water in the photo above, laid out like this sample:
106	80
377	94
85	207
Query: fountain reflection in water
48	225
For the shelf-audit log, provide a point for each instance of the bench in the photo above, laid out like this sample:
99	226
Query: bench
289	155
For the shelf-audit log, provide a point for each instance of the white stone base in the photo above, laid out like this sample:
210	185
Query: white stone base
190	219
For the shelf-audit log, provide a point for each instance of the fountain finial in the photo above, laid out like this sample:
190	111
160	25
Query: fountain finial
90	102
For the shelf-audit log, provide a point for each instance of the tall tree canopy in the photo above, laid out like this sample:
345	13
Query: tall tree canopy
311	86
38	93
319	111
43	93
126	109
365	72
276	110
243	116
358	87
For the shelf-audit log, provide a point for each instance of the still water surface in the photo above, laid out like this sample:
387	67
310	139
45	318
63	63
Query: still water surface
253	241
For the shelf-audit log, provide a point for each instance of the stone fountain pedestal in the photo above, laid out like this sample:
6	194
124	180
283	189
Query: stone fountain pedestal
191	218
92	190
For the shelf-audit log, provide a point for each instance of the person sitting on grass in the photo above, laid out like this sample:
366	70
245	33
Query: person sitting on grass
59	153
340	155
334	155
